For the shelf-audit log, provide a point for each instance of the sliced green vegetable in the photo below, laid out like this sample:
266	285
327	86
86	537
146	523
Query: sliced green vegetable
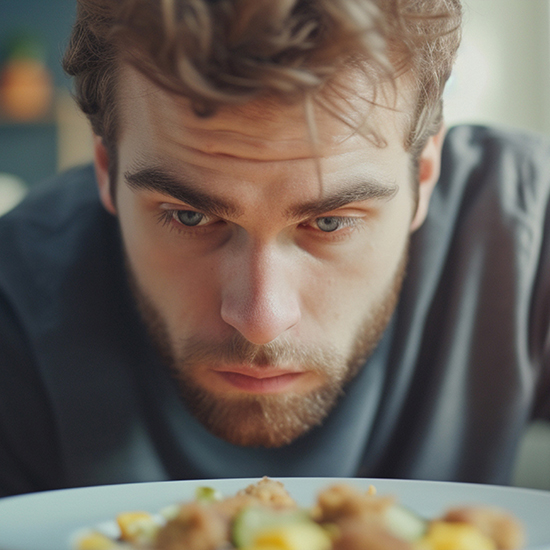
405	523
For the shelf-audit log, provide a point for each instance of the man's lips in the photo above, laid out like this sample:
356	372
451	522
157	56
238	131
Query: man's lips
260	381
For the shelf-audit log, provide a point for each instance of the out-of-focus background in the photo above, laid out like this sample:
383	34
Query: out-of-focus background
41	131
502	77
502	73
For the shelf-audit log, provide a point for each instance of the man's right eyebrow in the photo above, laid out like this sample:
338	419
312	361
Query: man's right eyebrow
180	188
362	190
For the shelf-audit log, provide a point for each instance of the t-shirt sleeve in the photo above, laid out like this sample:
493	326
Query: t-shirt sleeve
28	456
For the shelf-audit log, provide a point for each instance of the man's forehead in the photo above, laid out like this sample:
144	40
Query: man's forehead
346	110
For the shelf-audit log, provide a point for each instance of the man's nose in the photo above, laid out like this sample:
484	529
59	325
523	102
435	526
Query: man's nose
260	294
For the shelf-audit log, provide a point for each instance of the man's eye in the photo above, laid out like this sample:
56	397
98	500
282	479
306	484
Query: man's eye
190	218
329	223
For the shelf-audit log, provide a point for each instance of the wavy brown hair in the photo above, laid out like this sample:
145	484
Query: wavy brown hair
228	52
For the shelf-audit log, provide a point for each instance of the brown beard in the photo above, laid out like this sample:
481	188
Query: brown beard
266	420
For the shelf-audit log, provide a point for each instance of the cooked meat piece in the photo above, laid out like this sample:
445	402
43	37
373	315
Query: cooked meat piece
264	493
359	519
270	493
196	527
504	529
360	534
342	501
231	506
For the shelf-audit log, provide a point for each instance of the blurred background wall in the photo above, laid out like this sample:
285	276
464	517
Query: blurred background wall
502	76
502	73
38	135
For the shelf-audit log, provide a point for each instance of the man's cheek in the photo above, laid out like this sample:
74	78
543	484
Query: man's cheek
187	295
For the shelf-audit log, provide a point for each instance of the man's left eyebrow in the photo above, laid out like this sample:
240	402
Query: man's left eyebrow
182	189
358	192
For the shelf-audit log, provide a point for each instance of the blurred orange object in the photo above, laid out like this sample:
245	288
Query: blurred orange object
26	87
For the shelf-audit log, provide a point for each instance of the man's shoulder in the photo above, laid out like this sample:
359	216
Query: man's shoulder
59	225
511	163
478	135
54	202
54	211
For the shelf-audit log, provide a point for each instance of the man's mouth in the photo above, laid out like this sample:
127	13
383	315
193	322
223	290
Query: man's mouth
260	381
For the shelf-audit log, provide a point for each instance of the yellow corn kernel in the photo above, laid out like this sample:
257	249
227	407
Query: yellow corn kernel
95	541
454	536
137	527
293	537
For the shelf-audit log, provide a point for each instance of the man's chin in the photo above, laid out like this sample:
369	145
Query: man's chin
261	420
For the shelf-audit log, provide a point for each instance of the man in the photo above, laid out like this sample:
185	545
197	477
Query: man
259	287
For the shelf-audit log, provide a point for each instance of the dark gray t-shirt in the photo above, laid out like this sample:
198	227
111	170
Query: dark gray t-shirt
463	366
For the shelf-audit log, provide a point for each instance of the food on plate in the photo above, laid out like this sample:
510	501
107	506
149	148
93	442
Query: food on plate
264	516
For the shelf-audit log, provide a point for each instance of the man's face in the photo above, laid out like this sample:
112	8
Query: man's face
265	285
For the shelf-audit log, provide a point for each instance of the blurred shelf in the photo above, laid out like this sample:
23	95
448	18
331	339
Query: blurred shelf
48	119
36	149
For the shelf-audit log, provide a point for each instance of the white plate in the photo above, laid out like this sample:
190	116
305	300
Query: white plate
47	521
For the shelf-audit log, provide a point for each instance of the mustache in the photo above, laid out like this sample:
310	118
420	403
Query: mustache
237	349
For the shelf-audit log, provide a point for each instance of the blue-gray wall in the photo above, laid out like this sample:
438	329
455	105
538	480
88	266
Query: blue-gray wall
29	150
